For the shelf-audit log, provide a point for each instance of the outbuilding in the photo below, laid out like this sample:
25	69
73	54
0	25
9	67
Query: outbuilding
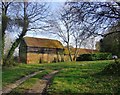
40	50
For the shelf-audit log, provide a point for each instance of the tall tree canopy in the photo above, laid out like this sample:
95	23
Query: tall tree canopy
111	42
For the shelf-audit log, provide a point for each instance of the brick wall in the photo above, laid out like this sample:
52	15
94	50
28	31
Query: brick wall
42	58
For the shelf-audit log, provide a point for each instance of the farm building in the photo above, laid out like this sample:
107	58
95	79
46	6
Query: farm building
41	50
38	50
80	51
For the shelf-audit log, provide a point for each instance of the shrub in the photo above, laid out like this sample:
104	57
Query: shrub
84	57
113	68
95	56
10	63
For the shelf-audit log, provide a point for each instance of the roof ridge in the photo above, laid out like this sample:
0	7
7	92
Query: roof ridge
41	38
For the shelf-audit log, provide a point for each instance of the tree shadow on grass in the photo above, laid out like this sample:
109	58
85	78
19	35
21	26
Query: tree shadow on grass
110	77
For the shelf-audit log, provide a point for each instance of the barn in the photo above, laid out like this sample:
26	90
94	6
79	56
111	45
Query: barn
40	50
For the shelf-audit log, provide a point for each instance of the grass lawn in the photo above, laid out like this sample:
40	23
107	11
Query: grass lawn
74	77
9	75
84	79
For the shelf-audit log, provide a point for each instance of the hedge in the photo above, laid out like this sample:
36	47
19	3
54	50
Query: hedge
95	56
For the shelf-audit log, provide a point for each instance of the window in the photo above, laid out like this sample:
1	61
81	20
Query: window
32	49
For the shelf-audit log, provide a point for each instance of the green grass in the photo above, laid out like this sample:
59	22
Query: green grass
84	79
74	77
25	86
9	75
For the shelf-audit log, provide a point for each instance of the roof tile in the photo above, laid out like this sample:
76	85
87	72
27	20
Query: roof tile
42	42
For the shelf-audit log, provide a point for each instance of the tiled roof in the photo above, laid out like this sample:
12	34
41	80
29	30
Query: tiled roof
42	42
80	51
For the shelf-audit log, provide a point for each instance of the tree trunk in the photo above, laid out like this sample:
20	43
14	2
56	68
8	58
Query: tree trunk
4	27
3	45
1	52
119	45
5	20
76	50
75	55
14	46
69	52
17	42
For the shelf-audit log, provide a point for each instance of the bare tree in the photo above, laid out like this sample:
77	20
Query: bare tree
29	16
85	19
70	31
101	15
97	17
62	26
80	34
